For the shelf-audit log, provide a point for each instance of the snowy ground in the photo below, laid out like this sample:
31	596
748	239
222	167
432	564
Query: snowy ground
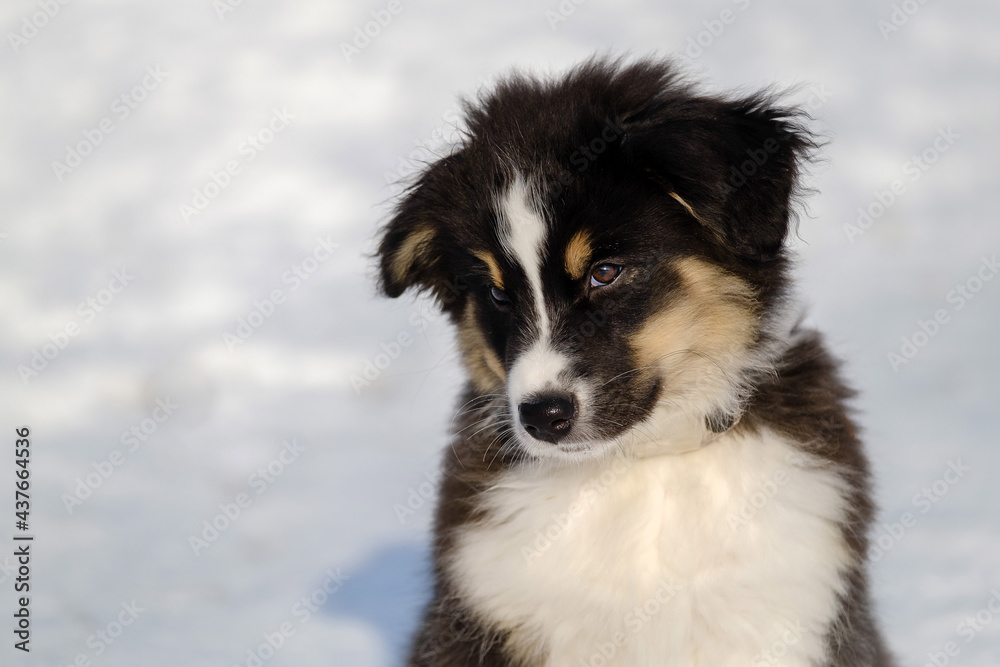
197	85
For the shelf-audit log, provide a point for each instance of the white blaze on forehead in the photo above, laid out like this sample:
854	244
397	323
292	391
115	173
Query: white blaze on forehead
523	233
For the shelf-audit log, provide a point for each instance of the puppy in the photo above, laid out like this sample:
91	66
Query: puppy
653	464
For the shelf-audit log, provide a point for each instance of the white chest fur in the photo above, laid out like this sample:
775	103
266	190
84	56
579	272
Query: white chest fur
727	555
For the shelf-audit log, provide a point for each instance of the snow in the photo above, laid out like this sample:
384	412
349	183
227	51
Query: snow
321	180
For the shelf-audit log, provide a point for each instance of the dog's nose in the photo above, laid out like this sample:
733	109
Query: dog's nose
549	417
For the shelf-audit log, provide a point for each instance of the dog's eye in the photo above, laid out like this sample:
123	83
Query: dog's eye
499	295
604	274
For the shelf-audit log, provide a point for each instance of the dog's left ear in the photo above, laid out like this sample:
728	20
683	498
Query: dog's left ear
733	165
410	249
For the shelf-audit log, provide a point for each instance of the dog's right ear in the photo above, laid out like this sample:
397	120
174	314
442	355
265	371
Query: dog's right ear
733	164
409	251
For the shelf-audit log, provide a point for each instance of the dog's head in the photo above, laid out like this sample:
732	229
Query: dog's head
610	247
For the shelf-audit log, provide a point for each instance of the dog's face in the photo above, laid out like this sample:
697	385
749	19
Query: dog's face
609	247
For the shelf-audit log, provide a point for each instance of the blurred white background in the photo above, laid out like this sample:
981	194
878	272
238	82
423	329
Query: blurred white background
144	105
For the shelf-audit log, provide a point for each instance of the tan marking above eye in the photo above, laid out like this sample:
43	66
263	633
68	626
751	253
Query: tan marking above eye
578	252
491	263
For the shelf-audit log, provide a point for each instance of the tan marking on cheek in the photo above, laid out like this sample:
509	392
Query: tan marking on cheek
705	331
485	368
414	248
491	263
578	253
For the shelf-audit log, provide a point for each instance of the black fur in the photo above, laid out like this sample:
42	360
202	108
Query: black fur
655	172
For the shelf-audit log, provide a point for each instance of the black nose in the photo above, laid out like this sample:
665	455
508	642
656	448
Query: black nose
548	418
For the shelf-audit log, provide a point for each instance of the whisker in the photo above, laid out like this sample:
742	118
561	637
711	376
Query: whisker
505	440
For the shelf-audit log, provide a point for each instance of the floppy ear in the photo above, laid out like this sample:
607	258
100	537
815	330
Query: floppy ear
409	251
733	165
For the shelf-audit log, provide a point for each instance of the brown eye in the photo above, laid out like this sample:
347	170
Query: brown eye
499	295
604	274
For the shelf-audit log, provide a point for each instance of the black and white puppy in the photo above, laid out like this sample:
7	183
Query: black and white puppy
653	464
